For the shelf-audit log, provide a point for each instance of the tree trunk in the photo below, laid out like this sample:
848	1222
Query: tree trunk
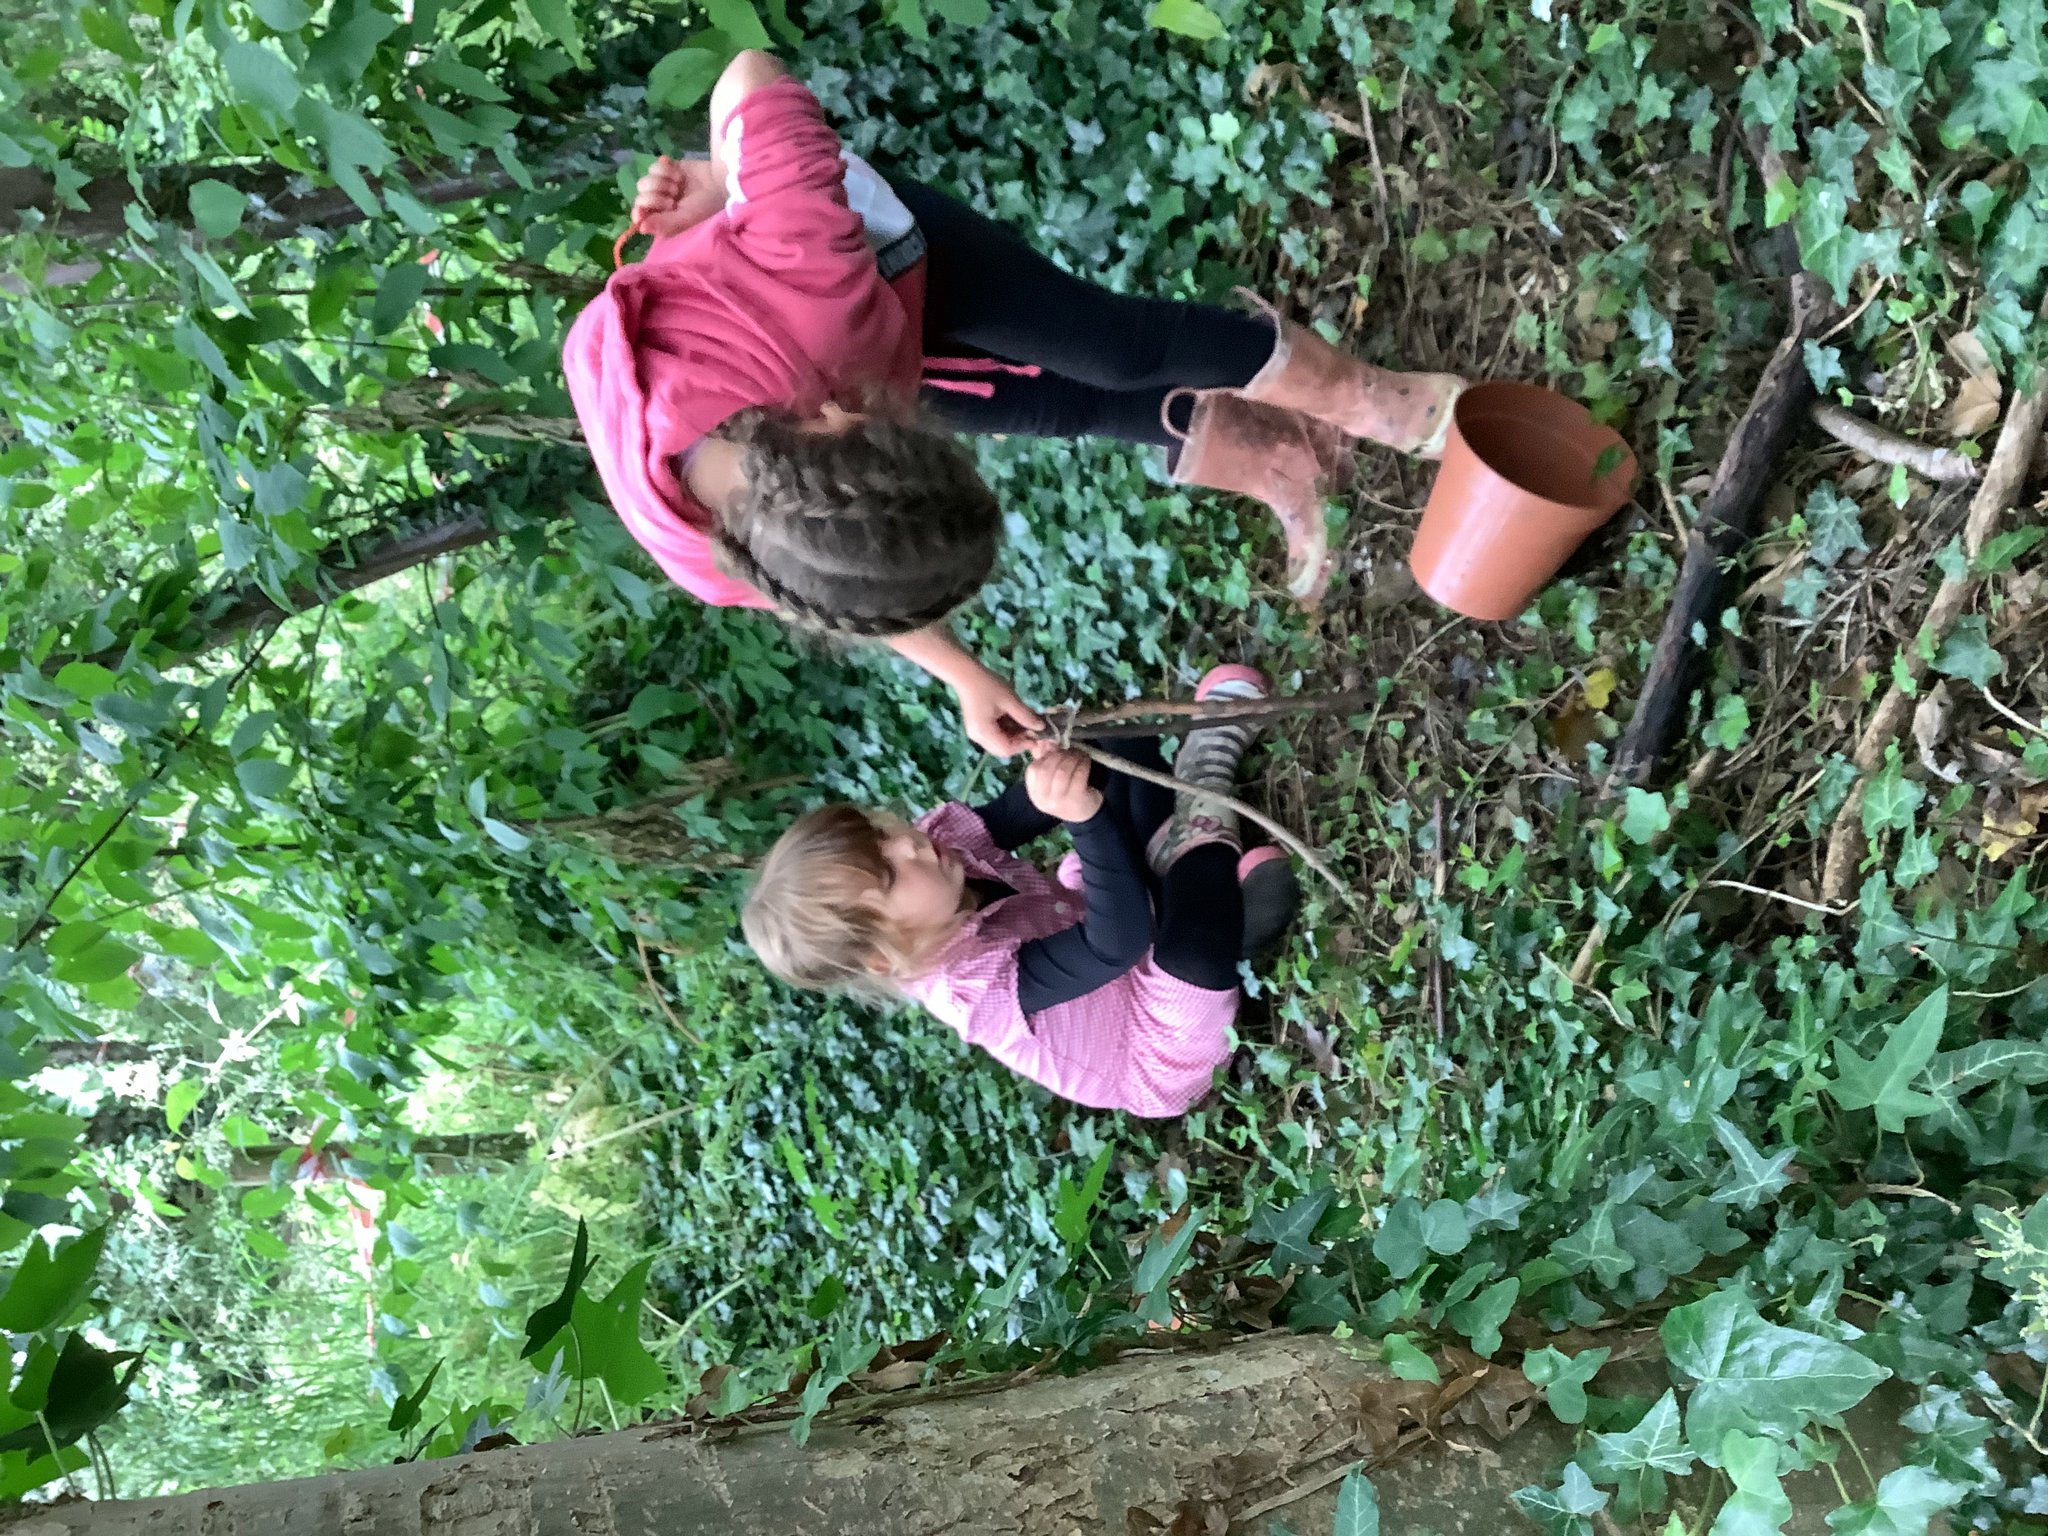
441	1155
71	1053
1171	1434
459	518
103	219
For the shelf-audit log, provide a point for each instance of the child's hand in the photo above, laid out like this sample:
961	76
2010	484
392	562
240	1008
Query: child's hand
996	720
676	195
1057	782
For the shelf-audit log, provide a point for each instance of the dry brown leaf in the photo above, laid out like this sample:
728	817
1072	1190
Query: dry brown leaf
2008	822
1930	725
1498	1403
893	1378
1976	403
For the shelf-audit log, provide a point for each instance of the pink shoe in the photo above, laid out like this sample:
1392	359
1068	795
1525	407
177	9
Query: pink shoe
1247	682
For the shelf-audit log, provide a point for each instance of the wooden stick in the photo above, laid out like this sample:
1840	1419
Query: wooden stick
1889	447
1726	522
2004	477
1306	854
1181	715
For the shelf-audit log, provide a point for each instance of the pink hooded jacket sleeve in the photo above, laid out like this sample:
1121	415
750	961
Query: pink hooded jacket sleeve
776	302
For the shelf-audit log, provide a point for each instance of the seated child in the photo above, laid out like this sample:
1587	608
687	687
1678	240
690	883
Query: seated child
1114	984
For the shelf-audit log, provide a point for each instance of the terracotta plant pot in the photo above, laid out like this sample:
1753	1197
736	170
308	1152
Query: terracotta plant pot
1517	492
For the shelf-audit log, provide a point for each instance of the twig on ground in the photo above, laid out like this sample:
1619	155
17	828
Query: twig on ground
1889	447
647	970
2012	714
1726	520
2004	478
1136	718
1790	901
1436	948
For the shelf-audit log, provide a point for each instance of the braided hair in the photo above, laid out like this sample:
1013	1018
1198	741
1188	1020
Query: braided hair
875	531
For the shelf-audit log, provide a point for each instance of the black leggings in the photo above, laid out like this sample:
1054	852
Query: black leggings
1109	361
1198	931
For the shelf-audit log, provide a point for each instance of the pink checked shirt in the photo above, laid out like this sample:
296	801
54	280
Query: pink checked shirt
1148	1042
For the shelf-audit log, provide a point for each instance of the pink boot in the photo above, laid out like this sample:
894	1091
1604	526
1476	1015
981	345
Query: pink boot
1283	458
1409	412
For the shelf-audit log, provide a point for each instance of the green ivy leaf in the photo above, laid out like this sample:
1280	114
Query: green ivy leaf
548	1321
1358	1507
1289	1231
1480	1318
1891	800
1444	1228
1906	1503
1074	1204
1399	1355
1781	201
1755	1376
1190	18
1164	1257
1754	1178
1954	1073
406	1411
964	13
1758	1506
50	1285
1398	1244
1966	652
1654	1445
1645	817
1592	1247
604	1339
1881	1085
1563	1378
1566	1510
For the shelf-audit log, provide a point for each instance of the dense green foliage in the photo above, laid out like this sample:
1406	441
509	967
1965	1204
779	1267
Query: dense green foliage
374	875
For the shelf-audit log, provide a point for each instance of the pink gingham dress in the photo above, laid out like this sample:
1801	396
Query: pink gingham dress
1147	1042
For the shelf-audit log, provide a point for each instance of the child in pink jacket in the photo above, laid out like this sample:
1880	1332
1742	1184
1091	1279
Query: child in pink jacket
1113	984
752	391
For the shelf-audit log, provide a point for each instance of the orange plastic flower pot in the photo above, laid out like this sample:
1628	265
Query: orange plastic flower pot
1520	488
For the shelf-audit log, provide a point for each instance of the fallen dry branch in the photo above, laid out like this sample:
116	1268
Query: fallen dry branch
1888	447
2004	476
1172	717
1783	398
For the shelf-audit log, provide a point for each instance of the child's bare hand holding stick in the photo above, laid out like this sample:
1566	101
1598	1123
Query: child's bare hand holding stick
1057	782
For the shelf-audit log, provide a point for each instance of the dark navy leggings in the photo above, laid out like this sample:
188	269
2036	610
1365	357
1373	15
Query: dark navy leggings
1107	361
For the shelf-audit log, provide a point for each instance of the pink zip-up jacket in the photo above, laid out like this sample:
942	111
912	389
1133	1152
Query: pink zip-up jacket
1147	1042
778	300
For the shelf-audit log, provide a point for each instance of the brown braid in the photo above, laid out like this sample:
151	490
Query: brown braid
875	531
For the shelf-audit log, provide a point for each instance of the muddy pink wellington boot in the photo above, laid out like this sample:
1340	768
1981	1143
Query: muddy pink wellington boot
1408	412
1284	459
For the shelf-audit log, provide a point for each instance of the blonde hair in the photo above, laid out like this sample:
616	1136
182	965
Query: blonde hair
811	916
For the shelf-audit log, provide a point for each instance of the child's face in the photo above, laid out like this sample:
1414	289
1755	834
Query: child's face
922	889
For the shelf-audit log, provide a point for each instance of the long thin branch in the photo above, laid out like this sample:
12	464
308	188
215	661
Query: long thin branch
1302	850
1889	447
2004	477
1136	718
